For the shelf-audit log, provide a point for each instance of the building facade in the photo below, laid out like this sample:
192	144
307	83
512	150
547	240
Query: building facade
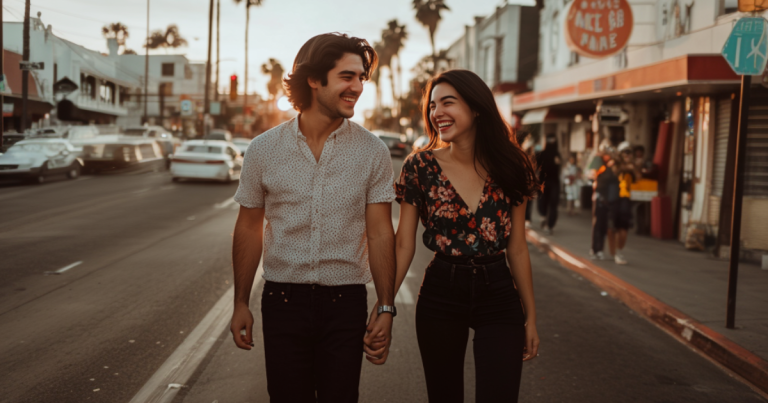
670	91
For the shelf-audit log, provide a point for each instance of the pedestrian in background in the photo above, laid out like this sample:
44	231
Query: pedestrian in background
324	185
627	174
548	162
527	144
572	182
470	197
605	197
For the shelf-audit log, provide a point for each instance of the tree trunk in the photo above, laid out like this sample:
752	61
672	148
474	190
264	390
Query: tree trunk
25	73
434	52
394	94
245	82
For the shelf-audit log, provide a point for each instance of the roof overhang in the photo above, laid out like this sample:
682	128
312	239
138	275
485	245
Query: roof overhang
700	73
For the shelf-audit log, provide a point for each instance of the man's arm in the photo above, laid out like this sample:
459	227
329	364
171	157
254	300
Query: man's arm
247	245
381	252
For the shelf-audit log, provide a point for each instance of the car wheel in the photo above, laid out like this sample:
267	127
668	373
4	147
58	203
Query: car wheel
228	179
174	179
74	171
40	178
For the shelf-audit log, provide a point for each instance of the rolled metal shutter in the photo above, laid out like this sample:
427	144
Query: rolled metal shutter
720	155
756	168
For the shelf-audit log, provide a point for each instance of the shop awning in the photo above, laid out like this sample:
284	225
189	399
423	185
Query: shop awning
535	116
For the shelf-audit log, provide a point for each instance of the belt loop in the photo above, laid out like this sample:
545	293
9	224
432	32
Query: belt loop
485	271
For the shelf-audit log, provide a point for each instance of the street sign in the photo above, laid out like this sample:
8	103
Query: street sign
186	107
64	86
747	46
4	87
31	65
215	108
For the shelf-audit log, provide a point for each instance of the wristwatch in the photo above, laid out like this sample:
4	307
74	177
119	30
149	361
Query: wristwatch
388	309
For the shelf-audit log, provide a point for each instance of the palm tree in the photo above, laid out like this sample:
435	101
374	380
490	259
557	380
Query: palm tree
428	15
118	31
168	39
248	4
381	51
393	38
275	70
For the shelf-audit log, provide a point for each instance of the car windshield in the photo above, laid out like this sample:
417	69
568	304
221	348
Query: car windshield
217	136
135	132
197	148
47	148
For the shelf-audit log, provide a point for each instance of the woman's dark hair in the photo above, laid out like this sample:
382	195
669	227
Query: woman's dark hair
496	148
317	57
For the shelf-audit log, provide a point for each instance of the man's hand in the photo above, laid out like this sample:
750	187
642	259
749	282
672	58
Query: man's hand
242	319
378	337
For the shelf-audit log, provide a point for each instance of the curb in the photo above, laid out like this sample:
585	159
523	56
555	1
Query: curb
685	329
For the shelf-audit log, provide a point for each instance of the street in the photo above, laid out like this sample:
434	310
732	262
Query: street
155	257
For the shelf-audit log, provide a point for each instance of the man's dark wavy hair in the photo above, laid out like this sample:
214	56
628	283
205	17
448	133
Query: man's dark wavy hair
317	57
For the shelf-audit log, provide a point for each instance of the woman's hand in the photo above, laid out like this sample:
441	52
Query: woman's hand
531	349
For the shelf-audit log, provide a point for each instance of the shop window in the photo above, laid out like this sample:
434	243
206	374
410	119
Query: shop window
88	86
107	92
168	69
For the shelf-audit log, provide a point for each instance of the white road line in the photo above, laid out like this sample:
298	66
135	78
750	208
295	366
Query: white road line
65	268
225	203
163	386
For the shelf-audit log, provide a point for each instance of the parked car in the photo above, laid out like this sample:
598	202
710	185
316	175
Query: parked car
420	142
219	134
398	147
122	154
38	159
242	144
167	142
207	159
9	139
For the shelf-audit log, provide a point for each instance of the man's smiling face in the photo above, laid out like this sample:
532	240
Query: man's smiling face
345	84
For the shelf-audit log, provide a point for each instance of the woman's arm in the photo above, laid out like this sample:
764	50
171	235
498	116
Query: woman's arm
520	267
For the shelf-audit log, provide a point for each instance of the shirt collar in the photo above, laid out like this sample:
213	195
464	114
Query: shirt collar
297	132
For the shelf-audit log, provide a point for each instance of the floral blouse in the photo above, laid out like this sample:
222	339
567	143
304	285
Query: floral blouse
451	228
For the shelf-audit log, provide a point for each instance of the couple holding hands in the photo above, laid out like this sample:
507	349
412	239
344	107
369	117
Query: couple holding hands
324	185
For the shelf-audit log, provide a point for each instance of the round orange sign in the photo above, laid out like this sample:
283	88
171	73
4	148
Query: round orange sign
598	28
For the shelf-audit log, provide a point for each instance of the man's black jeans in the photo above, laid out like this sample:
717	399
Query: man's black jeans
313	341
455	298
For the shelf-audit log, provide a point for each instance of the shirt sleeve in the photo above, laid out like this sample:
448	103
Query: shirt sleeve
407	187
380	184
250	191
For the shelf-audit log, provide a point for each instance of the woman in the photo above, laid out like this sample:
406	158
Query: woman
572	180
469	187
549	166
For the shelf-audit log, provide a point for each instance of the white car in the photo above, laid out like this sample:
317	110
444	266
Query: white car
40	158
420	142
242	144
207	159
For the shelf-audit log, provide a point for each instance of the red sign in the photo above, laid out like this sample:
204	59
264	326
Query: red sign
598	28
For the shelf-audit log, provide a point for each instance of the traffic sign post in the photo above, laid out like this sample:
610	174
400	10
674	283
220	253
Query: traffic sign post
186	107
747	46
745	51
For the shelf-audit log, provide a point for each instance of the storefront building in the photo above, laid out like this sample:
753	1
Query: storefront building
668	90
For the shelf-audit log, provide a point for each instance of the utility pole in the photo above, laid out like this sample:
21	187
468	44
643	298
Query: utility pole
207	106
25	73
146	68
218	46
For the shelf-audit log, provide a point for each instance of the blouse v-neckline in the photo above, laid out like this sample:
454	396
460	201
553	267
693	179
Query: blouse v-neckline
449	183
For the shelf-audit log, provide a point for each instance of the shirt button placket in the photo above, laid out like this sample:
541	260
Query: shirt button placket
317	187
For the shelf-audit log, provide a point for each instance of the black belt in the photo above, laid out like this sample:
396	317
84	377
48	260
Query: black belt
471	260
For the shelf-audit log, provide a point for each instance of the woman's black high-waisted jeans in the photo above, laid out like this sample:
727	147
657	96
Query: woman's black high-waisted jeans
454	298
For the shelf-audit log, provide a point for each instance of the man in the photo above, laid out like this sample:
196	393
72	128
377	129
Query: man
605	197
324	185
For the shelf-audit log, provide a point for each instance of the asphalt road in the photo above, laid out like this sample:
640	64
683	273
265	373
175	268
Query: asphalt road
156	257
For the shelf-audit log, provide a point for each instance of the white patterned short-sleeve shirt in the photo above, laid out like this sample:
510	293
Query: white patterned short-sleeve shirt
315	210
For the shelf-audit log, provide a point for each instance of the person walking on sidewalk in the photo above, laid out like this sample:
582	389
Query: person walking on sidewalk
572	181
549	163
324	185
623	220
470	196
605	197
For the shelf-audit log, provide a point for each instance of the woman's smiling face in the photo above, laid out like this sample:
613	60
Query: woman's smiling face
449	114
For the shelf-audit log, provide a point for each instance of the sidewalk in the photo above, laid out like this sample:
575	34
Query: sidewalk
681	291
